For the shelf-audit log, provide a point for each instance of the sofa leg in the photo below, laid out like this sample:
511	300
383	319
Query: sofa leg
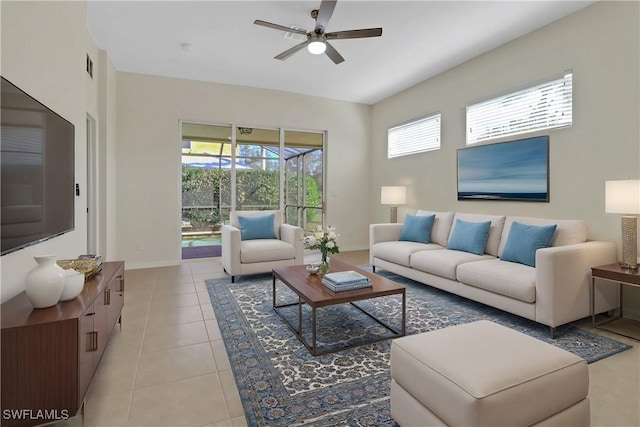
373	268
551	332
233	279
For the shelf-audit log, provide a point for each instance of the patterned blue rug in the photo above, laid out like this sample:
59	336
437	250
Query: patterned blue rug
281	384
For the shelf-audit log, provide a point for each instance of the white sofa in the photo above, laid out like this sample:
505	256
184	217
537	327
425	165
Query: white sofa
554	292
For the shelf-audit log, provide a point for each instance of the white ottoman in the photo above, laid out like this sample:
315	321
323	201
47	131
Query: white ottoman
484	374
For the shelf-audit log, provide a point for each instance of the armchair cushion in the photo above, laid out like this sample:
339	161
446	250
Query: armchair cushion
277	220
257	227
265	250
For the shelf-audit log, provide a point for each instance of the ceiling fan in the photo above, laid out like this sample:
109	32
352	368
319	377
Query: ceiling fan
317	41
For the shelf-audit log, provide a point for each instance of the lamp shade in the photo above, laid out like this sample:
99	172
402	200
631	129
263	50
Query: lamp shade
622	197
393	195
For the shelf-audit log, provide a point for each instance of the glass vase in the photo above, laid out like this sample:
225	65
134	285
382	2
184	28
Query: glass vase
324	264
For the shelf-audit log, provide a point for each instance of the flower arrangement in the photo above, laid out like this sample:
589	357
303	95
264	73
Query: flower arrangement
325	241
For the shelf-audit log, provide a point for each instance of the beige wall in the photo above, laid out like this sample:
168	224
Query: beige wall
44	47
43	51
106	166
601	44
148	155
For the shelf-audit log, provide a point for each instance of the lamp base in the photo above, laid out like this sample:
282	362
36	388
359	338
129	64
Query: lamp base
393	218
629	242
627	266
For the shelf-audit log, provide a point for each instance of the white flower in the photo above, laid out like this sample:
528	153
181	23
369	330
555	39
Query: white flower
311	241
330	244
332	235
319	228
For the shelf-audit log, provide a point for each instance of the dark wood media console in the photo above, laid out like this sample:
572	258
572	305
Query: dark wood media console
49	355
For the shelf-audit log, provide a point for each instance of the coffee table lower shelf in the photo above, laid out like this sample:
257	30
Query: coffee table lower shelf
353	296
313	347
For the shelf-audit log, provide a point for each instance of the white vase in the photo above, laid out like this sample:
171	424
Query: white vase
73	284
44	284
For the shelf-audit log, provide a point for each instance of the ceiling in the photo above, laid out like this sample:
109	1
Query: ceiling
217	41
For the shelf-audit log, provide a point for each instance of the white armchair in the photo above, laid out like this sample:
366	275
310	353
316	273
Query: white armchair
251	255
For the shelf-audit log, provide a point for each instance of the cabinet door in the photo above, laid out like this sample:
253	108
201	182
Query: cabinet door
116	300
100	325
87	346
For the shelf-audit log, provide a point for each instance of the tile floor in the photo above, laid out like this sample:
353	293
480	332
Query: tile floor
168	366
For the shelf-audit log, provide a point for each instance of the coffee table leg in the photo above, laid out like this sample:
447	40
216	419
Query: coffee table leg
300	317
313	331
404	313
274	291
593	302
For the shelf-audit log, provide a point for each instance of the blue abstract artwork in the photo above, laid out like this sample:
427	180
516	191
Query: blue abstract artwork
514	170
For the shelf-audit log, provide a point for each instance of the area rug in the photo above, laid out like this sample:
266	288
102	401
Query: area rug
281	384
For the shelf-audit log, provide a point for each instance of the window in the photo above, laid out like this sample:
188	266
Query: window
414	137
545	106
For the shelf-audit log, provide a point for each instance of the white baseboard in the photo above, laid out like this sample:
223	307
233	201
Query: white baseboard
631	312
139	265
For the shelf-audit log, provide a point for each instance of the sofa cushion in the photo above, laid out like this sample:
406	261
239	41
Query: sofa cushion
441	226
501	277
469	236
417	228
400	252
524	240
444	263
265	250
257	227
495	230
568	231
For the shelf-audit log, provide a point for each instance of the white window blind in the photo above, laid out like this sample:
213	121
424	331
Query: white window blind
414	137
546	106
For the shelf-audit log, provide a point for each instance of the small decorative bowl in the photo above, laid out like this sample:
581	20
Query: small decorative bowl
313	268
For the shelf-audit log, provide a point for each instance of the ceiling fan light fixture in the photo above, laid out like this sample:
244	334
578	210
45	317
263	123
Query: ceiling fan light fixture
317	46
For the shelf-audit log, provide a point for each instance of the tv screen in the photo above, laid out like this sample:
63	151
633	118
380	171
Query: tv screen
37	171
514	170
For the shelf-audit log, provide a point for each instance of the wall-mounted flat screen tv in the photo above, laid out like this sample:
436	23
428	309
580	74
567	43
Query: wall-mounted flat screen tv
514	170
37	171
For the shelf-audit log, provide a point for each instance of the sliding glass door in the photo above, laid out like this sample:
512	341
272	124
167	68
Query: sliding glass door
257	169
303	159
228	168
206	165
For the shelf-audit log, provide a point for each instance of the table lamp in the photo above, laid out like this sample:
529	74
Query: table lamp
394	196
623	197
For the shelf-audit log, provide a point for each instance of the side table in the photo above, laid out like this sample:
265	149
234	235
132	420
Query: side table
622	276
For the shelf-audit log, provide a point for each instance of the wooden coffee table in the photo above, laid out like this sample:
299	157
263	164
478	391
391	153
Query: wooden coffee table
311	291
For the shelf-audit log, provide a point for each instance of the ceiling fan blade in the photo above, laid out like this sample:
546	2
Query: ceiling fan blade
333	54
287	53
324	14
354	34
278	27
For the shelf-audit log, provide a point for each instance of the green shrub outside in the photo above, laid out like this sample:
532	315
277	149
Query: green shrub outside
256	189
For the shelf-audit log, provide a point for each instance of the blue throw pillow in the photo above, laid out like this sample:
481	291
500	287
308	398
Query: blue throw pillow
257	227
469	236
524	240
417	228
